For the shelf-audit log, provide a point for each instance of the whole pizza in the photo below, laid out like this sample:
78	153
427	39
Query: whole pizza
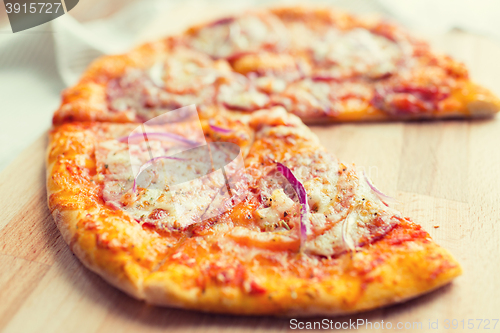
183	172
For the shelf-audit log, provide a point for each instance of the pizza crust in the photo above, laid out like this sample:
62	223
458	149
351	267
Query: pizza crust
85	222
404	275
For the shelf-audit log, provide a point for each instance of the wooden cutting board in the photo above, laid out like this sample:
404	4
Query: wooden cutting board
444	173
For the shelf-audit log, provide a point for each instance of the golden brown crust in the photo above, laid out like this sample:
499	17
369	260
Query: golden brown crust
409	270
106	241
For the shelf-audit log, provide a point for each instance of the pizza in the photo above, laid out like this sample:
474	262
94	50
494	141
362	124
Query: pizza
319	64
302	232
183	172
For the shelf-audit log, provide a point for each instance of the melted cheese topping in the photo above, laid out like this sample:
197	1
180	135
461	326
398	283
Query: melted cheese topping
335	229
270	84
356	52
246	33
183	78
306	97
343	211
241	95
272	217
313	71
186	187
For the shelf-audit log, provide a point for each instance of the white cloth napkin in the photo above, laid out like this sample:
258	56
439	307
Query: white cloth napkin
35	65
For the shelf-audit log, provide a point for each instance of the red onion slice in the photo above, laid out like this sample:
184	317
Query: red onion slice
348	241
301	193
326	77
383	197
161	136
222	21
148	164
220	129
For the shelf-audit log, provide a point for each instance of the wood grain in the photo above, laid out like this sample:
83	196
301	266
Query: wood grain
444	173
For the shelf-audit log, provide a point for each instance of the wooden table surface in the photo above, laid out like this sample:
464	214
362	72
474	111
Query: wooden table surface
444	173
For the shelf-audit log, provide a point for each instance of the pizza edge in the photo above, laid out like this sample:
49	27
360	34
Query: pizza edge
403	276
126	275
86	224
